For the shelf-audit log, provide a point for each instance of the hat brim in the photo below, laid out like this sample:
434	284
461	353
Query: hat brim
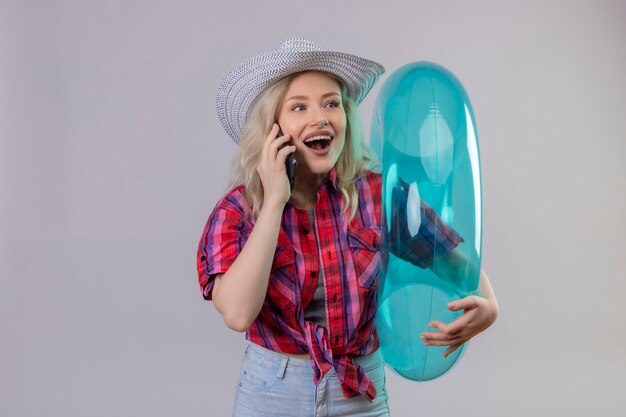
246	81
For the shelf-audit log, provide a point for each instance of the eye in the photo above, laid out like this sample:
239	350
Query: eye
334	103
296	106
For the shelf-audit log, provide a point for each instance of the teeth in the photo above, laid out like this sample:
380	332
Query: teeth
321	137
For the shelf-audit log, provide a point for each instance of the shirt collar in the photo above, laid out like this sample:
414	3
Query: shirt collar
332	176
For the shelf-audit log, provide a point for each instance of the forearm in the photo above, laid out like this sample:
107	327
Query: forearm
454	269
243	287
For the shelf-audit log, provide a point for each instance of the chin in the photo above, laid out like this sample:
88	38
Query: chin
319	167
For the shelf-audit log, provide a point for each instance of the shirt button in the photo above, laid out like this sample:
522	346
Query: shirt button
313	274
335	298
375	244
336	339
305	231
203	258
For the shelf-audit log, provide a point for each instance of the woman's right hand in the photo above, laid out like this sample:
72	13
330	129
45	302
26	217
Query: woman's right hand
271	168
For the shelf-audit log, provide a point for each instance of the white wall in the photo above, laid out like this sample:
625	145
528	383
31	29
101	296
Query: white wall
112	156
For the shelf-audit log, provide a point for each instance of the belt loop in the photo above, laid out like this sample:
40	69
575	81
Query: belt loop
282	368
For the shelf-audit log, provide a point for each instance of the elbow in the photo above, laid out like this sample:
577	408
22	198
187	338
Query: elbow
231	319
496	312
234	318
237	324
494	309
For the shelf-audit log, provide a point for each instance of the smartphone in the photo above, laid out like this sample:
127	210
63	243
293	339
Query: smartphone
290	163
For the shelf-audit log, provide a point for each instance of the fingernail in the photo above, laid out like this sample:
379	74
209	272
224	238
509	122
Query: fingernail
422	337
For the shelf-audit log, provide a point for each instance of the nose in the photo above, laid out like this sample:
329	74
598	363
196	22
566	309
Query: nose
319	119
321	122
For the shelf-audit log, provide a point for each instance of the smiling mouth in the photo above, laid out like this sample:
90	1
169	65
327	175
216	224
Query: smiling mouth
319	144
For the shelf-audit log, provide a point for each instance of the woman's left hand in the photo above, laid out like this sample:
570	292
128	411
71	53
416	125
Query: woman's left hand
479	313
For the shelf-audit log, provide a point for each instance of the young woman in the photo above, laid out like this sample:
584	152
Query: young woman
297	269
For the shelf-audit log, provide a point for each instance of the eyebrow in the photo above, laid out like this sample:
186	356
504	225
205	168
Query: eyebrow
306	98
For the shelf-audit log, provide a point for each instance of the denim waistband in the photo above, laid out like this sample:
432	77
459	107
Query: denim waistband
269	358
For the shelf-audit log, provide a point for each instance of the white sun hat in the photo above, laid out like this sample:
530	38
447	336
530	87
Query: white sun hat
245	82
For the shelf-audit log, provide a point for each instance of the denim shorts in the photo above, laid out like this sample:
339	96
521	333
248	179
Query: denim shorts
273	384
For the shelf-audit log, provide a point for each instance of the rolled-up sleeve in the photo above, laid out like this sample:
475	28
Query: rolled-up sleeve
434	238
223	238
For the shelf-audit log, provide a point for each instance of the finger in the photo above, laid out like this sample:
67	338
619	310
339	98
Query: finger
441	334
438	324
443	342
280	140
279	135
452	328
270	138
265	149
443	327
451	349
461	323
427	337
463	304
284	152
455	305
277	144
448	334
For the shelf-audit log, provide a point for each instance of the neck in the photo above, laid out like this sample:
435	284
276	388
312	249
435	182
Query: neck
306	185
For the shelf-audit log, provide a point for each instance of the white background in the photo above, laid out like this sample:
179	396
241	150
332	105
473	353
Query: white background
112	157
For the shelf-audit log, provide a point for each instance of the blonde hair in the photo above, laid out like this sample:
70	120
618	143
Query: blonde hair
355	159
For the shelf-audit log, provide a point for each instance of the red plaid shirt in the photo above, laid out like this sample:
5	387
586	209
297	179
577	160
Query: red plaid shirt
349	260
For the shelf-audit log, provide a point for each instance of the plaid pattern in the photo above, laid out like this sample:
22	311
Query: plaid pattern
433	239
350	258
